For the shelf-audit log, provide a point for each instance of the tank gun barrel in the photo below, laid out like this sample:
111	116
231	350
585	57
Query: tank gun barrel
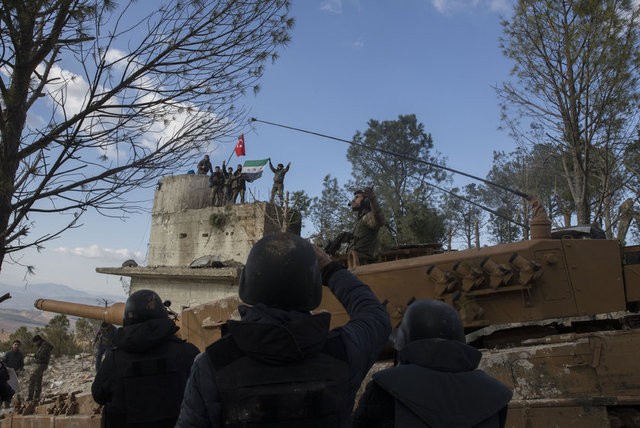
401	156
112	314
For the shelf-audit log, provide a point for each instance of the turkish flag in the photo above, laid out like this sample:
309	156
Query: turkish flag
240	146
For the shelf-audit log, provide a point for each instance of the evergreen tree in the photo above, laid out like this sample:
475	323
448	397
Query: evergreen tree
384	158
58	334
330	213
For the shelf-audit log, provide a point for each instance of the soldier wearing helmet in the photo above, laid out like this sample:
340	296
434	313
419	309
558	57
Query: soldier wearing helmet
142	378
280	365
436	382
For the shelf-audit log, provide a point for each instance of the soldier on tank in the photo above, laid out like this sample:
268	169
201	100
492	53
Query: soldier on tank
141	380
280	365
436	382
363	240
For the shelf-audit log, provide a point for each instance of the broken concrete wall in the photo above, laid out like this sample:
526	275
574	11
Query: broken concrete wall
191	289
184	225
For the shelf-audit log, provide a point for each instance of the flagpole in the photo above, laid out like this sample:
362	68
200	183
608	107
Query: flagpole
241	138
232	152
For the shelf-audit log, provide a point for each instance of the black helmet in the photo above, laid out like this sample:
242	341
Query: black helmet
428	319
143	305
282	272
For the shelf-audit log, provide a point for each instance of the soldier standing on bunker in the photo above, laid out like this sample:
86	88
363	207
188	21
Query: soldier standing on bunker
239	185
278	180
41	358
142	378
280	365
103	341
216	182
436	382
228	183
204	166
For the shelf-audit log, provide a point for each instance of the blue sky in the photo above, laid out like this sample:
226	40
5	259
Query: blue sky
349	61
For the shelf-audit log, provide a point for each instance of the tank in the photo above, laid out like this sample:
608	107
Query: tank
555	316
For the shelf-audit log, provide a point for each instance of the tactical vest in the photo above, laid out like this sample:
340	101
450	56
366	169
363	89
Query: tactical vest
308	393
153	389
365	238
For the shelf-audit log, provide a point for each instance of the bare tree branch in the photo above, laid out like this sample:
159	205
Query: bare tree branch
92	107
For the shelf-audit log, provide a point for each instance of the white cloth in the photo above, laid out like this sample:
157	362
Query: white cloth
13	380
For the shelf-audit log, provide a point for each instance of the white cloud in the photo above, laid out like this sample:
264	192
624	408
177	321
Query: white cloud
453	6
332	6
67	89
96	252
501	6
69	92
358	44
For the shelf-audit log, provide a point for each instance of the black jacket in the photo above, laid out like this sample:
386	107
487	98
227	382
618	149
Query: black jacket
436	384
141	381
14	359
358	343
279	367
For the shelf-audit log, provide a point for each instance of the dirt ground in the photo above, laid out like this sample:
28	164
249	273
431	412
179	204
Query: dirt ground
65	374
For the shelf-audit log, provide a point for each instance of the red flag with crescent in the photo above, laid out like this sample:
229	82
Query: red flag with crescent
240	146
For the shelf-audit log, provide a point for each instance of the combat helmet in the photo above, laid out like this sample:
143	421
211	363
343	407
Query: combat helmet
143	305
428	319
282	272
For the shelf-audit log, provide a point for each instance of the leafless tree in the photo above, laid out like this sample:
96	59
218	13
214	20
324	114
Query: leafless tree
99	99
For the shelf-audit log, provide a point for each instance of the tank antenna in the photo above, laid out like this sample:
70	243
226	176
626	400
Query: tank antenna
399	155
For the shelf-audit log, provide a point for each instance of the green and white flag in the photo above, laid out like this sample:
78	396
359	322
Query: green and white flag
252	169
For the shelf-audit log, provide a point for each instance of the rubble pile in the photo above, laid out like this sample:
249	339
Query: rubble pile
65	375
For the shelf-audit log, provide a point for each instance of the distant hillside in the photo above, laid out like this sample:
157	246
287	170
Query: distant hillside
11	319
24	296
19	310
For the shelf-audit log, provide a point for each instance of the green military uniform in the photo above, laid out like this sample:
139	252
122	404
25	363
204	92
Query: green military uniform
41	359
216	182
228	183
239	186
364	239
365	236
278	180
